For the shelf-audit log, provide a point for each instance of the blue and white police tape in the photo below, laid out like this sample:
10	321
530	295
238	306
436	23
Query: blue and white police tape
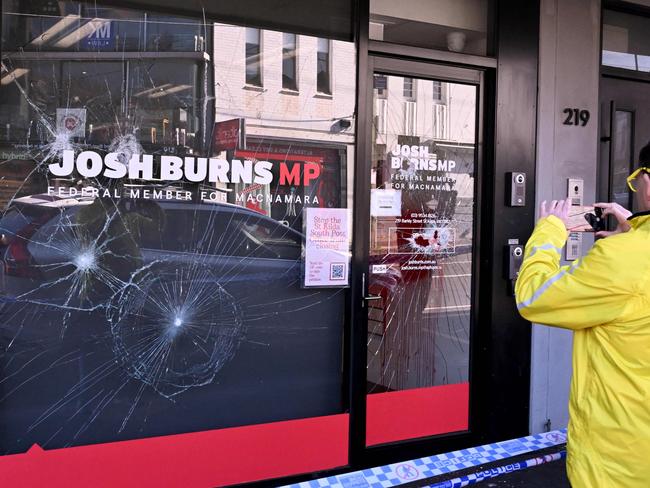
440	464
474	478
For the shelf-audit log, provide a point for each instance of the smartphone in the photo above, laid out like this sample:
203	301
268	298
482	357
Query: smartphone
585	219
596	220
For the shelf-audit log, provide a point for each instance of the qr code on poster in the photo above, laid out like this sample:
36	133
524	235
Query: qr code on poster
337	271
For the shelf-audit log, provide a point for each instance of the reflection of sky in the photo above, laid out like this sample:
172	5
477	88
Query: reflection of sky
643	62
636	62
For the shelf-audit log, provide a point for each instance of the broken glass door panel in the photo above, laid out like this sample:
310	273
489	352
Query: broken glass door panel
421	235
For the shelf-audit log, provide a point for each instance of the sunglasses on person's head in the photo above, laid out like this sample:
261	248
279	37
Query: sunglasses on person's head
632	178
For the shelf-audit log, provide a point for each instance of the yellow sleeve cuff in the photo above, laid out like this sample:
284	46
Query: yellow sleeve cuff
549	231
556	222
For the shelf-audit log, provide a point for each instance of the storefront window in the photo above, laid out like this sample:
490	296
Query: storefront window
79	26
451	25
174	245
153	100
626	42
40	81
164	98
165	33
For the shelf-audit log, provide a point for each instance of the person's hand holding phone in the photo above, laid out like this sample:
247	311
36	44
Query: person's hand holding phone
621	215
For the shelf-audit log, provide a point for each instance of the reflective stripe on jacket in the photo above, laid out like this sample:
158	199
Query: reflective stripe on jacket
604	298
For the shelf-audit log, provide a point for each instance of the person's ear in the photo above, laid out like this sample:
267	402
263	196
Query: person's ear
646	182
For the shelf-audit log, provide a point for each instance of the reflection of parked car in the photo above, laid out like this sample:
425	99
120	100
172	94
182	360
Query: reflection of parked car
205	307
21	221
47	239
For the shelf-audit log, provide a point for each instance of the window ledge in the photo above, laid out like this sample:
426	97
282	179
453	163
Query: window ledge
254	88
326	96
289	91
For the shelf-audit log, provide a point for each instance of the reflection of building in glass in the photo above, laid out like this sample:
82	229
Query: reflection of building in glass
148	285
424	134
295	98
439	116
80	75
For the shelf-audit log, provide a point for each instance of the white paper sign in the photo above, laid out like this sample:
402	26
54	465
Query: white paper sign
72	121
385	203
326	247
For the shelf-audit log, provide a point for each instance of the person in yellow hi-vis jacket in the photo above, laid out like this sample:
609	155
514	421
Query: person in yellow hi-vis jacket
604	298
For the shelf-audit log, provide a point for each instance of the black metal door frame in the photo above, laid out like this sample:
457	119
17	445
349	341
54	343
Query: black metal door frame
507	125
391	65
500	380
630	98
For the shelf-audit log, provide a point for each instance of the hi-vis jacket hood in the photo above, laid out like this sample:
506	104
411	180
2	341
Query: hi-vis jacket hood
605	298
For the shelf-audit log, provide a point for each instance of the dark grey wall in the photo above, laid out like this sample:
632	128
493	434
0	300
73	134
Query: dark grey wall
505	401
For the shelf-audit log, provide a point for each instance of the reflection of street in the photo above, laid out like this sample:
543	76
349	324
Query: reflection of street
456	292
451	336
419	331
451	330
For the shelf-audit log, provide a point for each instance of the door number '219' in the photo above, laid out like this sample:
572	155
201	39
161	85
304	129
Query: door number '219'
575	116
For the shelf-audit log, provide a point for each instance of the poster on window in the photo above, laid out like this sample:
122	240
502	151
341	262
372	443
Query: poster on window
385	203
326	247
420	207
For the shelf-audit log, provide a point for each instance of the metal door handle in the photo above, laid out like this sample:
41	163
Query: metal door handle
367	298
372	297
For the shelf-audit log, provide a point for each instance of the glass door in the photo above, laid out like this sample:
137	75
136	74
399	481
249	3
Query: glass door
625	126
419	295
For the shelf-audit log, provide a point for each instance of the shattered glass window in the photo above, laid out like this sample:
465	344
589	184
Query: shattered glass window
85	26
152	226
166	96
